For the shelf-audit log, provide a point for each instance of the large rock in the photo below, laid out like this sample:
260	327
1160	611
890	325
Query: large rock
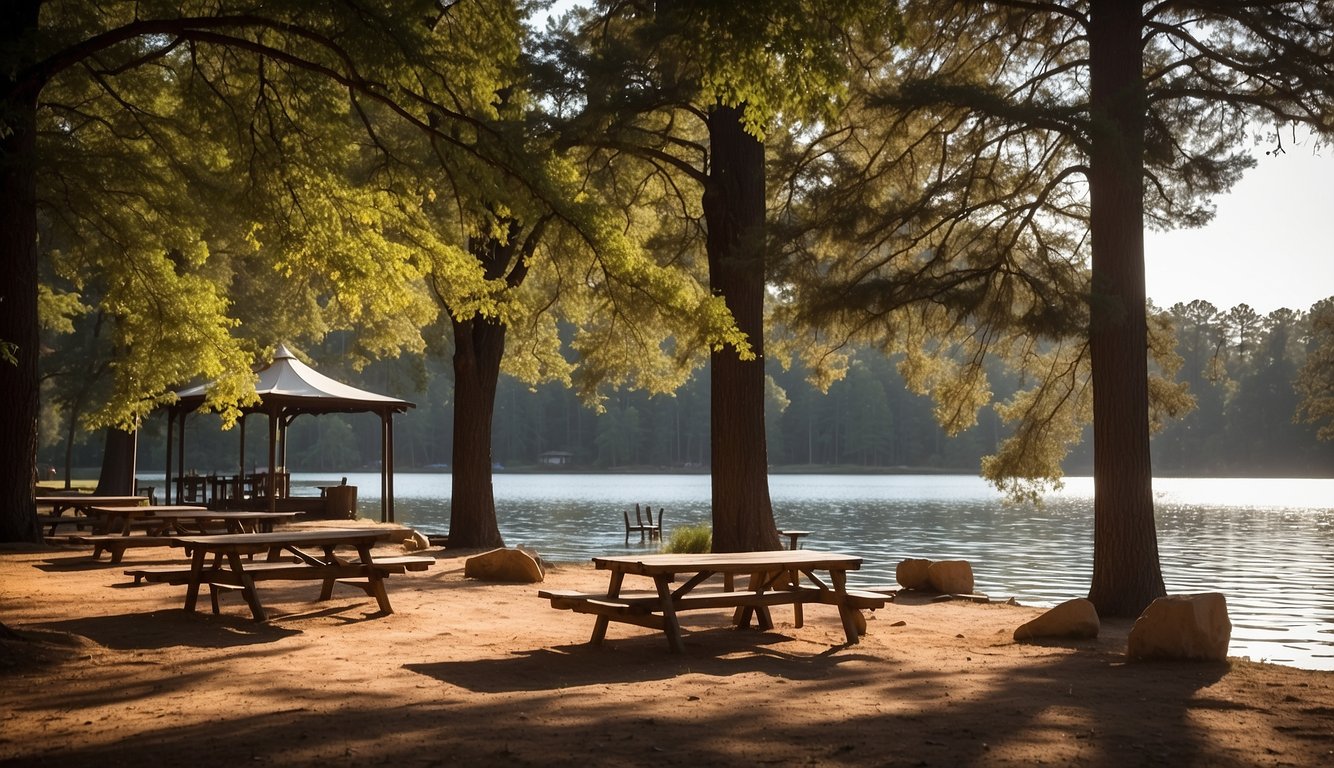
911	573
951	577
1182	627
504	565
415	542
1074	619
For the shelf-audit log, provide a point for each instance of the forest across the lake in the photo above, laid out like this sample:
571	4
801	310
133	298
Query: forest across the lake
1241	368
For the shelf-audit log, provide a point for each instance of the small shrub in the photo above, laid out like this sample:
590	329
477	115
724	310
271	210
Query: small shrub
690	539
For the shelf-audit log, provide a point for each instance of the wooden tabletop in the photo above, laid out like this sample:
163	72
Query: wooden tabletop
313	537
146	509
88	501
729	562
178	512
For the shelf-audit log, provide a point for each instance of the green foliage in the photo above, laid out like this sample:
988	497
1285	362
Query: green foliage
1315	382
944	212
216	179
689	539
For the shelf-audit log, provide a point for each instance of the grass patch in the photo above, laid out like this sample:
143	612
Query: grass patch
690	539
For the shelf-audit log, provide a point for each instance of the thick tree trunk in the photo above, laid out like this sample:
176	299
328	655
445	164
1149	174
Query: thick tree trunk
119	457
18	283
1126	572
479	345
734	212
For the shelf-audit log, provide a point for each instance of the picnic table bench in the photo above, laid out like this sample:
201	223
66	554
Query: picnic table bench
783	577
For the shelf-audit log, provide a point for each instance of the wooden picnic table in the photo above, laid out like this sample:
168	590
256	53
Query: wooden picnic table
161	522
186	520
227	567
776	578
79	504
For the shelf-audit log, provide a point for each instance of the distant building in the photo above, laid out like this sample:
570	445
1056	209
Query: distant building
556	458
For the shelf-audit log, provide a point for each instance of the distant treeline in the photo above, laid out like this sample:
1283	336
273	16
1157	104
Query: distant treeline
1240	367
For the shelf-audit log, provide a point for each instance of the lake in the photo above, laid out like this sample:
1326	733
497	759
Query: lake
1268	545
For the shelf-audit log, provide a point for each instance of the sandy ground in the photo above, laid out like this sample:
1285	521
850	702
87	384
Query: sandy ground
472	673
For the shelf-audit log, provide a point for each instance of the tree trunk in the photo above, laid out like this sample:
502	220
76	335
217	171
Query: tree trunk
1126	572
479	345
18	282
734	212
118	462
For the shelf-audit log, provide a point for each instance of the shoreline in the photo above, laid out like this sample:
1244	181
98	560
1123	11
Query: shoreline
85	476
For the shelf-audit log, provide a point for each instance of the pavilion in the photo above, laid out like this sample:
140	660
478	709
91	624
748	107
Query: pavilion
288	388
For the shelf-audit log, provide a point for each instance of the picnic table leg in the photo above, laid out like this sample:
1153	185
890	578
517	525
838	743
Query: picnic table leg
763	619
327	591
247	586
375	578
600	626
670	624
846	612
798	615
196	575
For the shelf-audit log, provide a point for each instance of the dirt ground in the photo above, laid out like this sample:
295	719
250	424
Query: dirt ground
469	673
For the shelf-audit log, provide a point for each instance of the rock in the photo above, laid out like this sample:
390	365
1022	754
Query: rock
503	565
541	564
911	573
1192	627
415	542
952	577
1074	619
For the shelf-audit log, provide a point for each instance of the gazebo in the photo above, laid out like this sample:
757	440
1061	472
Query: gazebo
288	388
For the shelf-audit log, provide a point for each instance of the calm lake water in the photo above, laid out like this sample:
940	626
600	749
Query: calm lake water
1268	545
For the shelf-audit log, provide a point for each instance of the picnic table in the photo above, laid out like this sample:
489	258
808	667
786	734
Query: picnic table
161	522
79	504
781	577
219	562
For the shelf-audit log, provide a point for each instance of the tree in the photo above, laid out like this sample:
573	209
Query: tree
77	70
1017	155
691	88
524	241
1315	381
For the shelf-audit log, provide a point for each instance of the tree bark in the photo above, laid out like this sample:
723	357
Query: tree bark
119	457
479	345
1126	572
734	212
18	282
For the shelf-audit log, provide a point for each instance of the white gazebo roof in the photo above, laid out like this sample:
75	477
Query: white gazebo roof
291	385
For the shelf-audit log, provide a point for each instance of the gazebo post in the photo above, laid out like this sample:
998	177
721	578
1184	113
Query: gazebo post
171	424
269	480
180	457
387	467
240	469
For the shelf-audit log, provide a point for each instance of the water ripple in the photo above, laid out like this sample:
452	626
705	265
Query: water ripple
1268	545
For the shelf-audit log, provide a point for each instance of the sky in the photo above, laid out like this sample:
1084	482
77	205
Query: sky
1270	245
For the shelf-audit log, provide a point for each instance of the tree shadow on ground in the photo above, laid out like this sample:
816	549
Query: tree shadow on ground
717	653
173	627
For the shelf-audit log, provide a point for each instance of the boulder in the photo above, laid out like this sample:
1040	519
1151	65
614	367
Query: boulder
1074	619
952	577
1194	627
415	542
911	573
503	565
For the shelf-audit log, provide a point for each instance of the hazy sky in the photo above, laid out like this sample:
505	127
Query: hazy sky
1270	245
